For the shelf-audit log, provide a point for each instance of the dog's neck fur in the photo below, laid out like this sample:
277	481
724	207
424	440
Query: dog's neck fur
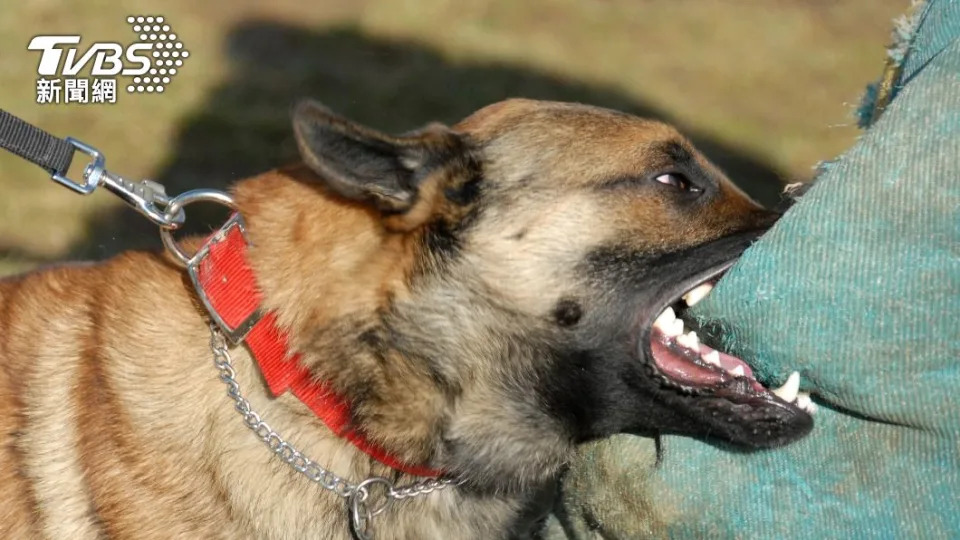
344	301
331	295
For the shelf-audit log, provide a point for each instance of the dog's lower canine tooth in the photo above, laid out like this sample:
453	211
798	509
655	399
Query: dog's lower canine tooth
712	357
805	403
665	319
737	371
788	392
697	294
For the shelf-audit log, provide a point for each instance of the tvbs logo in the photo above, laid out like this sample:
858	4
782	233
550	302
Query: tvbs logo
107	57
152	61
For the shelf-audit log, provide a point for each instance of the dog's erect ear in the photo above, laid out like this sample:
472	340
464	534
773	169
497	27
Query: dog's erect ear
365	165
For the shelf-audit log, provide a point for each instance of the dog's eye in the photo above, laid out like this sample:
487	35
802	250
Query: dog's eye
676	180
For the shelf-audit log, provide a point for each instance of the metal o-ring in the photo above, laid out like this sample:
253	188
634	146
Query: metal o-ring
387	487
360	513
177	205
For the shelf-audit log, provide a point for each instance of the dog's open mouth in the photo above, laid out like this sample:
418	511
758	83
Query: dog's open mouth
687	363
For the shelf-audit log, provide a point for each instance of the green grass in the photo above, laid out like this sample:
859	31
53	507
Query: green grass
766	88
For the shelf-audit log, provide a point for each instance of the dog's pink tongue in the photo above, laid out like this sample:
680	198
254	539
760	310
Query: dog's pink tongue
687	366
675	363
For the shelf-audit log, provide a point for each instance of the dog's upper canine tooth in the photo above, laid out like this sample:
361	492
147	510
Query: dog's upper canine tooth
697	294
712	358
737	371
665	320
788	392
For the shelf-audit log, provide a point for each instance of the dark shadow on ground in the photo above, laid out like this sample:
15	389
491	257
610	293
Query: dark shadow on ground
243	128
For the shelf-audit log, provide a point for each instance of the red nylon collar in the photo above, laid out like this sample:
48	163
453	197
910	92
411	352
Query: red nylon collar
226	285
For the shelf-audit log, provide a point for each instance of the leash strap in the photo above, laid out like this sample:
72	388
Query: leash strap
34	144
55	154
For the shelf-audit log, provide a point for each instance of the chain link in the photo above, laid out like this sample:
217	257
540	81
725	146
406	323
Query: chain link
358	495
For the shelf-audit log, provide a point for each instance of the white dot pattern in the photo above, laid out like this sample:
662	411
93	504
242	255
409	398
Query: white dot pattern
167	51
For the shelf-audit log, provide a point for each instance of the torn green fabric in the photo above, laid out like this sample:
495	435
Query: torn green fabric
858	289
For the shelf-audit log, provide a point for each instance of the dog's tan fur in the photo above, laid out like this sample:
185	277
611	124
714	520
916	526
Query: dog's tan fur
113	422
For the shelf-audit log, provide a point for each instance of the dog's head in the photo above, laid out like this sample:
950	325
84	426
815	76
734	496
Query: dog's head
546	243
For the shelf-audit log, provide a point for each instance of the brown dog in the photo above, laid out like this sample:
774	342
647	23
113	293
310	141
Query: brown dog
483	297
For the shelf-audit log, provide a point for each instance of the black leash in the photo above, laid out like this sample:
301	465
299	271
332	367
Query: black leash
34	144
55	155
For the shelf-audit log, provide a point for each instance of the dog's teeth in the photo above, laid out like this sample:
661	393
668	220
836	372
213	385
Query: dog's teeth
712	357
737	371
788	392
674	329
665	320
689	340
805	403
678	327
697	294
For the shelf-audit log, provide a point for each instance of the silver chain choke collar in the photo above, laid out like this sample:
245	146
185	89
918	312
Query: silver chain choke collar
359	496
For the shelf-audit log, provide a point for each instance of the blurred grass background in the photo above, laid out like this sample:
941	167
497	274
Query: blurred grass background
766	87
